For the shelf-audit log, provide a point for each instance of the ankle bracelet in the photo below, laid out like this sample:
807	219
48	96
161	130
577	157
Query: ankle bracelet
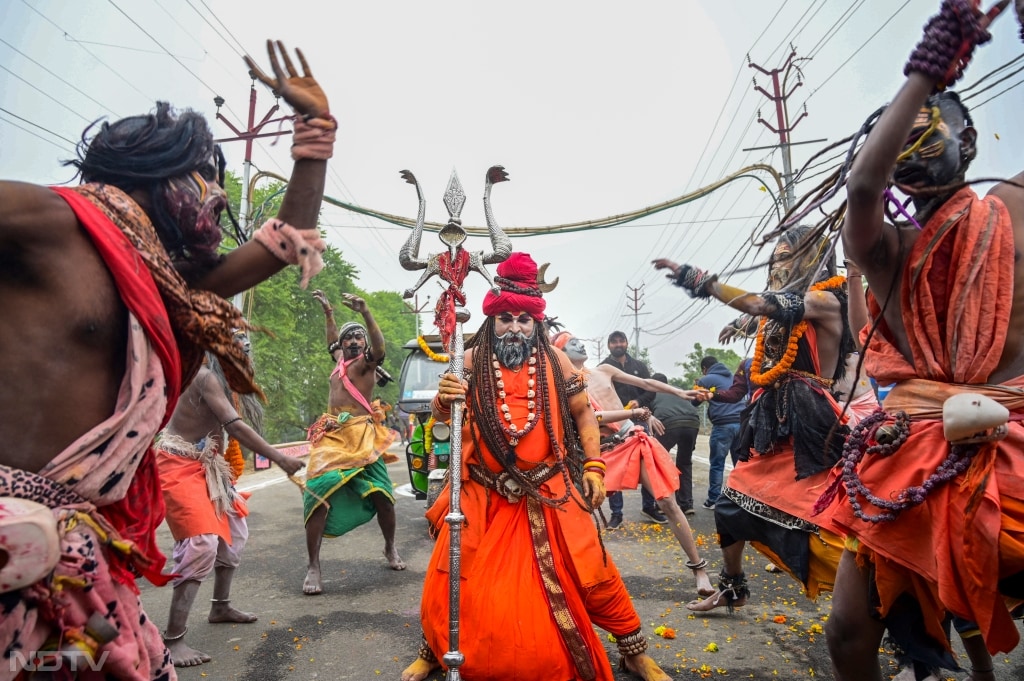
168	639
699	565
220	600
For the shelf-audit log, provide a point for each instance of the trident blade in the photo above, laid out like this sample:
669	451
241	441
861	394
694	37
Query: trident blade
454	197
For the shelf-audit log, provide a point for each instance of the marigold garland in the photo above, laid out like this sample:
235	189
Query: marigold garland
786	362
428	436
233	455
437	357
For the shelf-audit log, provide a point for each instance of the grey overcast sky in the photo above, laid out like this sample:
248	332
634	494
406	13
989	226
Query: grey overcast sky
595	108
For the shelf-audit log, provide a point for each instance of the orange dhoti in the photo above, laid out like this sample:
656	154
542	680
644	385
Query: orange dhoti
624	465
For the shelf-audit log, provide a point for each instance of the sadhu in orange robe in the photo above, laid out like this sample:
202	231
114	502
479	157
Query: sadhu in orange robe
962	549
534	578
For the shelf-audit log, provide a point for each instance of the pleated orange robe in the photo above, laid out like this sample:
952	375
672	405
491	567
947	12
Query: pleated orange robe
534	578
951	551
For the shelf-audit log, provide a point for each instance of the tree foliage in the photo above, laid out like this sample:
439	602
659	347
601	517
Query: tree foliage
691	365
290	353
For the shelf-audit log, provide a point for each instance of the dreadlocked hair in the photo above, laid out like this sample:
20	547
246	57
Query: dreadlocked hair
248	406
486	421
143	152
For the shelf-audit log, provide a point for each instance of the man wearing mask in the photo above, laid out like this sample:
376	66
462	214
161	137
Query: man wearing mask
620	359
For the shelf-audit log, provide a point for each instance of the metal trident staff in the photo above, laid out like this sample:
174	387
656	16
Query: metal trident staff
452	266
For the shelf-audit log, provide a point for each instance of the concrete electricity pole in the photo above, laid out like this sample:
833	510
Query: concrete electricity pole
783	126
251	132
635	305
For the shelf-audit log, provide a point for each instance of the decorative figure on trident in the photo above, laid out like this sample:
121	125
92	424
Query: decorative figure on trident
452	266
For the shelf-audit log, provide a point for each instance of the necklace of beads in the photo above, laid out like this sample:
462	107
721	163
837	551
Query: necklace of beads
513	433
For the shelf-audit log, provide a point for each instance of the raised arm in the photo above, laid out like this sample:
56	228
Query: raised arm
774	305
376	338
857	312
251	263
620	376
331	325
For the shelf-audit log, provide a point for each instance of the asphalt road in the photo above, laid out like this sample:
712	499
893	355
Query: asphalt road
366	624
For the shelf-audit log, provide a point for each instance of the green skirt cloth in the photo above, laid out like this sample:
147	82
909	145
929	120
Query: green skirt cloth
348	493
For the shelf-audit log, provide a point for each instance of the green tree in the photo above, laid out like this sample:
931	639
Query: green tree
290	353
691	365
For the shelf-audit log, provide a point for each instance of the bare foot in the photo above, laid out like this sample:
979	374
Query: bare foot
394	560
643	667
223	612
184	656
419	670
704	586
989	675
716	600
313	585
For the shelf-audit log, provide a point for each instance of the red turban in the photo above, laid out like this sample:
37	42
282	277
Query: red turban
517	277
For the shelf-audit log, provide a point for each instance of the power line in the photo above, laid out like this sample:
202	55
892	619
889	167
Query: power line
89	52
34	134
70	85
45	94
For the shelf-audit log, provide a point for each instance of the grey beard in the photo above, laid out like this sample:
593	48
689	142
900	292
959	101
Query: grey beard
512	355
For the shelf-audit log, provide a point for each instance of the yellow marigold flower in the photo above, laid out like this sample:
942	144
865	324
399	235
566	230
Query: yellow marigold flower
711	647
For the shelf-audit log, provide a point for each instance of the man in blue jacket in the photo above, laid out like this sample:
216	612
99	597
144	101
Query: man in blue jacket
725	425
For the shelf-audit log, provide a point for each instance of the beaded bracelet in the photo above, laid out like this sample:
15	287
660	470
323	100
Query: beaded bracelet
947	44
437	405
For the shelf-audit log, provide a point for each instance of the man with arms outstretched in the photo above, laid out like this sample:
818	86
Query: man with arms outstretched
348	481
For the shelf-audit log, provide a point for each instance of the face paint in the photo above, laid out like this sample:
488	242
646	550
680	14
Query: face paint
195	202
575	350
931	157
781	267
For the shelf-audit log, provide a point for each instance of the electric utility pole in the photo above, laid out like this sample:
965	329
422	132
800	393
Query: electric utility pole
783	126
417	309
251	132
635	305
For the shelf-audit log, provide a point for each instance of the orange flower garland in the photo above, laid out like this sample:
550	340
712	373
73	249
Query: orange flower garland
786	362
234	457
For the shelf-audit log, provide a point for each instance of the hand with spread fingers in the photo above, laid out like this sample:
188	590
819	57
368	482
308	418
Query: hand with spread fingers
450	389
302	92
593	488
353	302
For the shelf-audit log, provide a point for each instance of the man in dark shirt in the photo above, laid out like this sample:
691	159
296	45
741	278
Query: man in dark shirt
620	359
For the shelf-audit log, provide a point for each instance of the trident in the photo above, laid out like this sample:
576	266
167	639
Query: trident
452	266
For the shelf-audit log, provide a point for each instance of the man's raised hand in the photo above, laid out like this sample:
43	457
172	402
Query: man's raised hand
353	302
302	92
666	264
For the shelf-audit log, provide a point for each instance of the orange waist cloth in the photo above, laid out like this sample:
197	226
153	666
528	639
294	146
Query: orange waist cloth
624	461
534	578
950	551
189	509
770	480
